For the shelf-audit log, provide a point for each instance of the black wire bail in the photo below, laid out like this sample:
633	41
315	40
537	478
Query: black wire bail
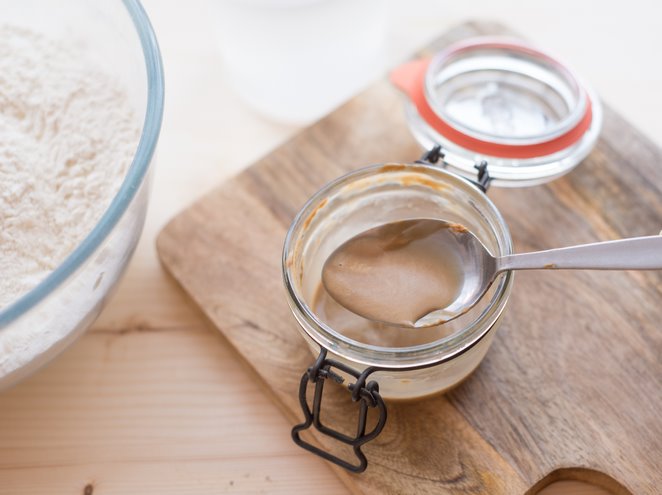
365	393
436	153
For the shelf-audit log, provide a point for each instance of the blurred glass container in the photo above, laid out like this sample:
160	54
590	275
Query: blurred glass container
51	316
296	60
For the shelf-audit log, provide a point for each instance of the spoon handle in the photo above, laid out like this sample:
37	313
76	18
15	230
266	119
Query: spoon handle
637	253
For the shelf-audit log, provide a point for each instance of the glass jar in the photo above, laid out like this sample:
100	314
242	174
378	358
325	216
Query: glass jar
434	359
491	111
401	363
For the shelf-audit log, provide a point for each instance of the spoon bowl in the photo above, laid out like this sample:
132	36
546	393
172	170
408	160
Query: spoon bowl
415	273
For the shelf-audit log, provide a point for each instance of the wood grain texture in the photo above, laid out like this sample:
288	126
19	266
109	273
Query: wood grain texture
573	378
147	411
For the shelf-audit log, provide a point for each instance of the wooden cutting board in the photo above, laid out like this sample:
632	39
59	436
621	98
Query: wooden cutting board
572	386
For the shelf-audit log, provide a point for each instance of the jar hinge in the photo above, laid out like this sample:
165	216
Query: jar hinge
432	157
365	393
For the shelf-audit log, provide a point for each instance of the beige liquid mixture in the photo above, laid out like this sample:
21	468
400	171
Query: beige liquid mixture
371	332
398	273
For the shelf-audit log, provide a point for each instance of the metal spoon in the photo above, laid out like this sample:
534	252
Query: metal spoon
371	273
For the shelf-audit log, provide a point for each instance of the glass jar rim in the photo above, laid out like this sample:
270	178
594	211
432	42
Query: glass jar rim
577	114
400	358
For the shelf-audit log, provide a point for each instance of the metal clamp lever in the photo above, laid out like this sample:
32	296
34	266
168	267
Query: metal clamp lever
366	394
437	153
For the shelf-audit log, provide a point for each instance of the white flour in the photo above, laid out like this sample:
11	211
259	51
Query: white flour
67	136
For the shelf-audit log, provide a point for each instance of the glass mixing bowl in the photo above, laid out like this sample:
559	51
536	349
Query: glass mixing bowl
55	312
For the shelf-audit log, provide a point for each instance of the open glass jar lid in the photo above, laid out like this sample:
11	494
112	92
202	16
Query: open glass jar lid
501	100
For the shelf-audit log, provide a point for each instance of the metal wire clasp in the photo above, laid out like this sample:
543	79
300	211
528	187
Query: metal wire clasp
437	153
365	393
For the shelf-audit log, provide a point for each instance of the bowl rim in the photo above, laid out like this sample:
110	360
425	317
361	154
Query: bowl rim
131	183
392	358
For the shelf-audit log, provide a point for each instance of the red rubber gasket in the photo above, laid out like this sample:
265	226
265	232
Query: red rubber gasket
414	87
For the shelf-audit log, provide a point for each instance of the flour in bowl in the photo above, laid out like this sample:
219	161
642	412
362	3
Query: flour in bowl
67	137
